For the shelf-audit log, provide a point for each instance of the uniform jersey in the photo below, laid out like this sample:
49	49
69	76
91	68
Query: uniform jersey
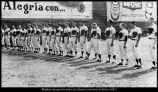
154	27
7	30
95	31
83	29
29	30
123	33
44	30
74	31
66	30
110	31
59	30
136	30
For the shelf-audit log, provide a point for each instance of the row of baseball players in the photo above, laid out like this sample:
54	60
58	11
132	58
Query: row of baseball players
58	39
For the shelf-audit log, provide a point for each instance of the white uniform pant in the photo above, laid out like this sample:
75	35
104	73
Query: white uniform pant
135	50
94	44
151	50
82	44
58	43
110	50
14	41
2	40
122	50
7	40
65	45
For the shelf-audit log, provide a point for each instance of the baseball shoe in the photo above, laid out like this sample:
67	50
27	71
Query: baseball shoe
154	67
86	58
107	62
154	63
126	63
139	67
113	63
120	64
135	66
81	57
98	60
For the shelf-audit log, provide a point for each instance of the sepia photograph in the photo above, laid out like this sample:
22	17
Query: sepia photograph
106	44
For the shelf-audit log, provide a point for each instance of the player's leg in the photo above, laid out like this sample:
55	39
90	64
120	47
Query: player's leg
137	55
121	52
89	48
107	46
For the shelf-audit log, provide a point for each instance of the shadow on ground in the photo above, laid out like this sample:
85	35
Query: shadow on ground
136	74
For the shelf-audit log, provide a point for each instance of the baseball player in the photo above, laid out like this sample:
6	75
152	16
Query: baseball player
25	39
33	38
2	37
82	38
123	35
44	36
152	36
22	39
19	30
66	38
110	42
94	42
37	39
7	36
73	39
52	39
59	33
49	40
29	31
135	36
13	31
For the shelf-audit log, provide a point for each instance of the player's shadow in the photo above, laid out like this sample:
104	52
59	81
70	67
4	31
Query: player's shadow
80	62
106	68
91	66
136	74
117	71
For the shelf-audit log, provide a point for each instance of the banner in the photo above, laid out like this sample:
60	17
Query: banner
46	9
131	11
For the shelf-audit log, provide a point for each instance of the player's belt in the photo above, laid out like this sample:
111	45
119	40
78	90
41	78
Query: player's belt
57	35
151	38
95	38
121	40
73	35
133	39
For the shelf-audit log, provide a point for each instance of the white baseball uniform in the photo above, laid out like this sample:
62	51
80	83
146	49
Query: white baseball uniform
7	37
110	49
59	38
94	42
83	29
135	50
122	50
2	40
74	31
152	39
66	30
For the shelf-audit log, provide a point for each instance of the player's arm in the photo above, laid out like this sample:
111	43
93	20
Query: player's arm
139	36
86	34
79	31
126	38
113	37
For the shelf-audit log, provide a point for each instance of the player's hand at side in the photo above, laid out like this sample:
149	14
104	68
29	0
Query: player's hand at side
153	47
124	46
136	45
112	44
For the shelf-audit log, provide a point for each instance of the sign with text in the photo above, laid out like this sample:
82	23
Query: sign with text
47	9
131	11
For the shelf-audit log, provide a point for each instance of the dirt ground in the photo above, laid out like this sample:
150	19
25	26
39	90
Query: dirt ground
21	69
